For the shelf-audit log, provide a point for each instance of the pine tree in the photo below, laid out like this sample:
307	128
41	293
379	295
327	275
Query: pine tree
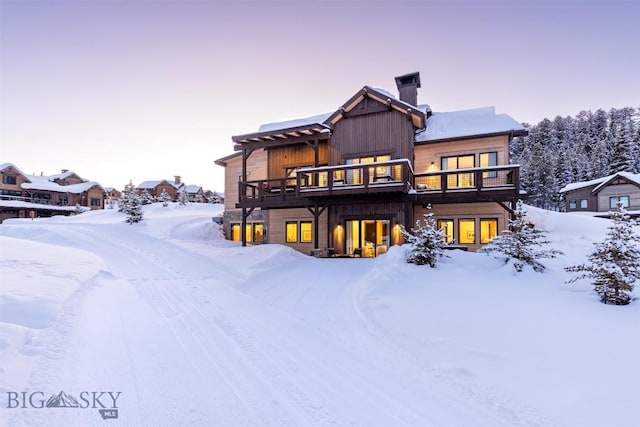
183	198
165	198
427	241
146	198
520	243
132	207
614	265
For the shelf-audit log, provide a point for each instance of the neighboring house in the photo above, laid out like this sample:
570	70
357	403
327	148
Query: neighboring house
155	188
346	182
23	195
111	194
213	197
603	194
194	193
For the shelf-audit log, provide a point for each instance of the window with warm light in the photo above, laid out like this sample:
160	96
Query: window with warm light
292	232
459	162
306	232
488	229
488	160
467	231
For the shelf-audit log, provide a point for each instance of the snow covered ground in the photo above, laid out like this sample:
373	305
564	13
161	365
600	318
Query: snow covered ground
193	330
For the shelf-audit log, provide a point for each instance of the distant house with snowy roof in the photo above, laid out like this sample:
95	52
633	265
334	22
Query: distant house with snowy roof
194	193
603	194
155	188
347	181
23	195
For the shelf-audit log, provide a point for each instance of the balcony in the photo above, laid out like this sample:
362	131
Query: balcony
474	184
393	178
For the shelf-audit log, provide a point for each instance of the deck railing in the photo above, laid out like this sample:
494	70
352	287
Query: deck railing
472	179
394	175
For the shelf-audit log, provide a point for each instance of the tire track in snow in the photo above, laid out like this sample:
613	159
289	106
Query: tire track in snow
461	389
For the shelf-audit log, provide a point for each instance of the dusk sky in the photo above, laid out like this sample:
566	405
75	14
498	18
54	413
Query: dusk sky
145	90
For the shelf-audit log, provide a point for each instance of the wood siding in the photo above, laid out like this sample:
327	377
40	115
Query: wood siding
277	228
433	152
294	156
383	133
475	211
578	195
256	165
621	189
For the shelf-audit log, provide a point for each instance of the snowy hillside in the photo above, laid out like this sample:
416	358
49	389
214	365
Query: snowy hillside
195	330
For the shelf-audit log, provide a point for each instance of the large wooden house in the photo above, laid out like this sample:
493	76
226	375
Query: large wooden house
23	195
346	182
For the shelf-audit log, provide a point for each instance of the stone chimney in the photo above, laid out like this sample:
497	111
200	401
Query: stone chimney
408	87
178	179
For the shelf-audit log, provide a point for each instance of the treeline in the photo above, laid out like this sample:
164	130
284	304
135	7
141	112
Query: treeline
572	149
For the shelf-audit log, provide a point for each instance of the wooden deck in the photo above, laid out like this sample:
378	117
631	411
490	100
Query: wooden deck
394	180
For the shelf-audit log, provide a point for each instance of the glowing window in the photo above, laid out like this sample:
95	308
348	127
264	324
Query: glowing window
488	230
305	232
467	231
292	232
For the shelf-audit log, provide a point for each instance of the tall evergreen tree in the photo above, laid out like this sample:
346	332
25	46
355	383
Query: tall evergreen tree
427	241
132	207
146	198
521	243
165	198
614	265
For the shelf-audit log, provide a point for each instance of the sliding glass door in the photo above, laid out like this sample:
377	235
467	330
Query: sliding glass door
368	237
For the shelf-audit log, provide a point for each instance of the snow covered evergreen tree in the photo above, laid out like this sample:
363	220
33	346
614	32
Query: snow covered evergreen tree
183	198
165	198
146	198
427	241
132	207
521	243
614	265
573	149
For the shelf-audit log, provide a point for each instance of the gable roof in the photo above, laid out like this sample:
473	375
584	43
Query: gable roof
599	183
64	175
153	184
384	98
5	166
632	178
468	123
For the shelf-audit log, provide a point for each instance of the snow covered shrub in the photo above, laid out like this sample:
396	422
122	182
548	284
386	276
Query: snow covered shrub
146	198
521	243
183	198
427	241
165	198
132	207
614	264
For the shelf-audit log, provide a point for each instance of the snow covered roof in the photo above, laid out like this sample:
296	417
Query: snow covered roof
4	166
467	123
153	184
317	119
631	177
30	205
583	184
45	183
63	175
192	188
600	183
